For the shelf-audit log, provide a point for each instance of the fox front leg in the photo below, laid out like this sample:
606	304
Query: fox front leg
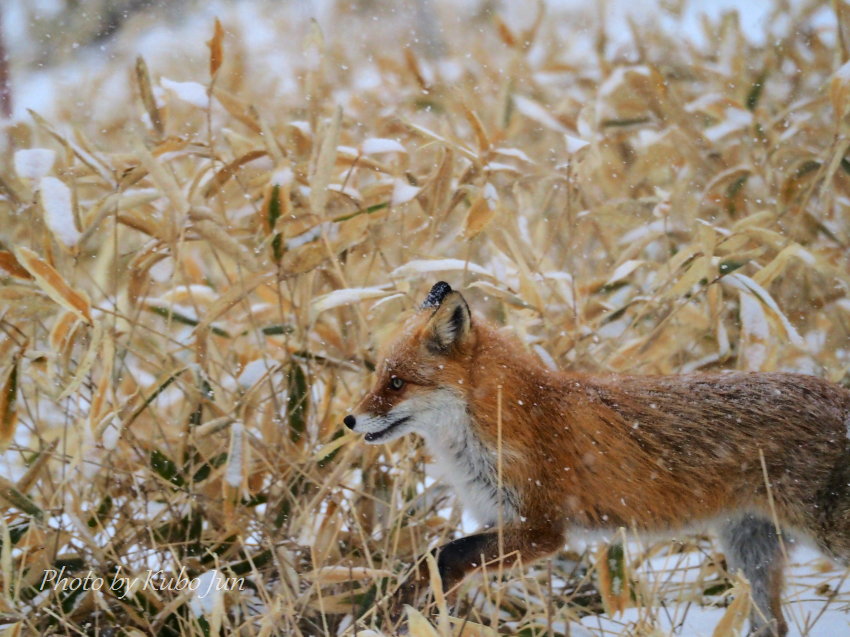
460	557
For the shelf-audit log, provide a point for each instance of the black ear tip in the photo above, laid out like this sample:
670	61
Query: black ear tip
438	292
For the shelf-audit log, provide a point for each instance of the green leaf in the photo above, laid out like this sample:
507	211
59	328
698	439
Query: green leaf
297	401
756	91
102	511
273	214
166	468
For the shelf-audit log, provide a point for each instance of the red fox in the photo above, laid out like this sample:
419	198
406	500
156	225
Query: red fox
659	454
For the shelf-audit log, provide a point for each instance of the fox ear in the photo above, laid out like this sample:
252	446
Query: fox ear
449	325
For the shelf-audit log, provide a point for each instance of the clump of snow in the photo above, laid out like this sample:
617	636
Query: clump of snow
420	266
347	296
34	163
58	213
233	474
403	192
208	593
536	112
734	119
376	145
190	92
253	372
112	433
574	144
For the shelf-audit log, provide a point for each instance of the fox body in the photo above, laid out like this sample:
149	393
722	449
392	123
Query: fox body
659	454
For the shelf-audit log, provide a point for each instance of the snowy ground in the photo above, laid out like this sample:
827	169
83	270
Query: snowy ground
809	612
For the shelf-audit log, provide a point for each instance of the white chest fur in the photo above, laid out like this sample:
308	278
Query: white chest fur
466	463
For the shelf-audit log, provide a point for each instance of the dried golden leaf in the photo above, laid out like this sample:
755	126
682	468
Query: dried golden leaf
477	127
304	258
241	111
233	296
167	184
216	49
8	403
504	31
101	392
323	164
49	280
417	625
481	213
733	618
224	174
84	366
224	241
413	66
698	270
336	574
839	91
146	92
61	328
8	263
472	629
768	273
144	223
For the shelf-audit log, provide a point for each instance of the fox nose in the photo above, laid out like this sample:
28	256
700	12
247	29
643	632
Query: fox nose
349	421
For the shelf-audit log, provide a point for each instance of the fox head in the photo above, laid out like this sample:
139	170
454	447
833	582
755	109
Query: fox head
421	374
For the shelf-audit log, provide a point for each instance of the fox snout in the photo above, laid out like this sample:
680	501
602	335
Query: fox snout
379	429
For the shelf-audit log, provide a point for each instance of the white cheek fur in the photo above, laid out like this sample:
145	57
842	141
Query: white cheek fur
440	416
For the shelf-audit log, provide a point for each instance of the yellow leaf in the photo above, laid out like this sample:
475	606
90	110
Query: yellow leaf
8	404
49	280
216	49
696	273
417	625
8	263
223	175
733	619
481	212
336	574
146	92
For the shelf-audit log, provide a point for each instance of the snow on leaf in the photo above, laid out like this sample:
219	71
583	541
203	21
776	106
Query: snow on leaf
734	119
534	111
403	192
34	163
112	433
347	296
253	372
420	266
516	153
624	270
207	596
839	90
498	166
233	474
755	332
58	213
190	92
54	285
375	145
574	144
745	283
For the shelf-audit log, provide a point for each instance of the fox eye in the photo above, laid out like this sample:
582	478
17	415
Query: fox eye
396	383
